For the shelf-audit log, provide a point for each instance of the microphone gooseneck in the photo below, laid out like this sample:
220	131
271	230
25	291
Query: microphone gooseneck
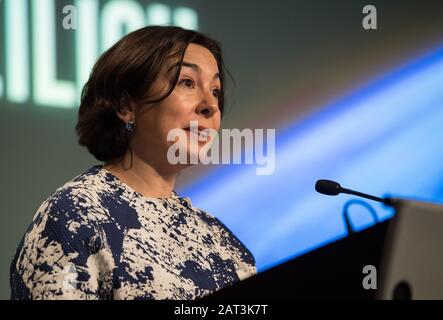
332	188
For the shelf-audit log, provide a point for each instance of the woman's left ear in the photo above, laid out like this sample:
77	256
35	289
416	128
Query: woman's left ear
126	112
126	115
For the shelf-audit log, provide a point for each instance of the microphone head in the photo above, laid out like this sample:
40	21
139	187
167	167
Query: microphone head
327	187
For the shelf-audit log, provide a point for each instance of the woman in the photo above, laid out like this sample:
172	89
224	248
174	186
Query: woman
119	230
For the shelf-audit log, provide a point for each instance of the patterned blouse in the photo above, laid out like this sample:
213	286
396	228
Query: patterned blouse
97	238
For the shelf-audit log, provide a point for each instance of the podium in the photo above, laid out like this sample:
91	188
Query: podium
406	251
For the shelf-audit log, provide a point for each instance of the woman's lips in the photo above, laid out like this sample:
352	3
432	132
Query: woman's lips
200	134
199	128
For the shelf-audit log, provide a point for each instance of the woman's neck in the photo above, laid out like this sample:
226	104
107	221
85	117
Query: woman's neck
148	178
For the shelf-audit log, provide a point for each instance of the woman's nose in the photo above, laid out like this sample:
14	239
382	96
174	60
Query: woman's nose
208	106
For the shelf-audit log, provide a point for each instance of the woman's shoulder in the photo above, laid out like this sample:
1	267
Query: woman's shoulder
64	232
89	182
74	199
65	217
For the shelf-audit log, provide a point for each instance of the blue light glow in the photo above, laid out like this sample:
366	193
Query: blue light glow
384	138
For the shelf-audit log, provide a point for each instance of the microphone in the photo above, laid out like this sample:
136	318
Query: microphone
332	188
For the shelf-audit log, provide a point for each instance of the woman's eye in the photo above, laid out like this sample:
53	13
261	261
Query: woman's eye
216	93
187	83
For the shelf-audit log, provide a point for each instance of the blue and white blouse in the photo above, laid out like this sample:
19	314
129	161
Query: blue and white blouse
97	238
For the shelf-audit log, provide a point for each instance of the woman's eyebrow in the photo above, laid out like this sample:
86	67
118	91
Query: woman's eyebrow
193	66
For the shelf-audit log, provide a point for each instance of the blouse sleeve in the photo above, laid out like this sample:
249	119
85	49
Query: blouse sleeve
61	257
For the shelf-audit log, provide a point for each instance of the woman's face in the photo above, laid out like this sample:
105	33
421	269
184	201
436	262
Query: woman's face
195	97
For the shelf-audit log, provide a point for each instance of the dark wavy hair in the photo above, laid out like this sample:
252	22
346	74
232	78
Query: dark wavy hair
124	75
